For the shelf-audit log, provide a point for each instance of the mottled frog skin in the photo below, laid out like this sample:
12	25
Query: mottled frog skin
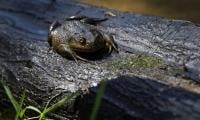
79	34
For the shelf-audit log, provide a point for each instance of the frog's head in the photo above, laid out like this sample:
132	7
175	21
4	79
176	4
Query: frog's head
81	44
93	44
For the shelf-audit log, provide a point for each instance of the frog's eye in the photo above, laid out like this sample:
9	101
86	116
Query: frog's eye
82	40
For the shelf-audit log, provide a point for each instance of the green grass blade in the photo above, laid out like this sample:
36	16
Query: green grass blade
33	118
61	102
97	104
22	113
33	109
22	100
46	106
21	110
12	99
19	113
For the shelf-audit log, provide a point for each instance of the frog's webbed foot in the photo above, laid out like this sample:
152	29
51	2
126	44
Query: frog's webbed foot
65	51
88	20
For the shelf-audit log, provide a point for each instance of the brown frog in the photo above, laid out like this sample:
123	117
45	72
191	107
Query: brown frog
79	34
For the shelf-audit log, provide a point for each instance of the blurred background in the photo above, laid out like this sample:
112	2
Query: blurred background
176	9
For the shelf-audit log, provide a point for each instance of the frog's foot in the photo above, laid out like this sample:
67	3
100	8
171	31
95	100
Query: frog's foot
111	43
109	49
65	50
81	58
87	20
114	44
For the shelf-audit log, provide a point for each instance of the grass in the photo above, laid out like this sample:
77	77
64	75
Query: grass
17	106
98	99
21	110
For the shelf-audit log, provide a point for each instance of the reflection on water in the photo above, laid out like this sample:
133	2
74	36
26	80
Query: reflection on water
178	9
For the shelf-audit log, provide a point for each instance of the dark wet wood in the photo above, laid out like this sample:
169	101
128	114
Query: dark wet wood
26	64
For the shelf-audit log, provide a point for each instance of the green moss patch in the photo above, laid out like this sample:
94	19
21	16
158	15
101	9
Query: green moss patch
137	61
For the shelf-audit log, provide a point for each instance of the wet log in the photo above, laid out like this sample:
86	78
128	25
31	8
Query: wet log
154	76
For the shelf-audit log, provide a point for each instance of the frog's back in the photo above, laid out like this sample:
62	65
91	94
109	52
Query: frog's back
75	29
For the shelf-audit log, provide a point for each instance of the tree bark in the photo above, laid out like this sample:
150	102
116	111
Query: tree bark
168	91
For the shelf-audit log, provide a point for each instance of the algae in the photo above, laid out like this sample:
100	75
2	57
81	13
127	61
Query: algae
136	62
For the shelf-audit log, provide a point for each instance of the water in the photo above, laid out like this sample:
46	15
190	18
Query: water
175	9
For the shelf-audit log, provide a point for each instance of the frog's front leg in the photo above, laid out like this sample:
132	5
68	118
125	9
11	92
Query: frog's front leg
66	51
110	43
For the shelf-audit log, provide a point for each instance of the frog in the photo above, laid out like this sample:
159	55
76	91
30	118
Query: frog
80	34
